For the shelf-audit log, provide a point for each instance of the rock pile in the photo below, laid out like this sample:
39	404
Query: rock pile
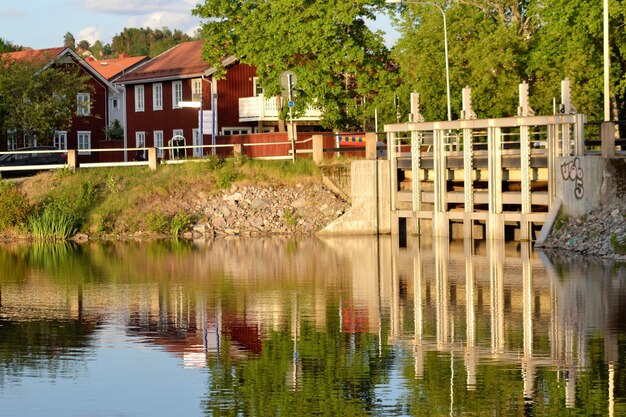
258	211
599	233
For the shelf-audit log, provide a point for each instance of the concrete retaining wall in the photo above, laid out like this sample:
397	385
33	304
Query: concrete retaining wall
369	186
584	183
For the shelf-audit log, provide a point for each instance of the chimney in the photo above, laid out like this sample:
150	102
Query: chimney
123	55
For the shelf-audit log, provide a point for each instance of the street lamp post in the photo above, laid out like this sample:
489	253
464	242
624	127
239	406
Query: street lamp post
445	38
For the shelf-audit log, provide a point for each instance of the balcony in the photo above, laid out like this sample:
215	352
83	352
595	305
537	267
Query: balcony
261	109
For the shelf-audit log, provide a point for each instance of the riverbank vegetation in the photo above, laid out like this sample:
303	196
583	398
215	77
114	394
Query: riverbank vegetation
133	200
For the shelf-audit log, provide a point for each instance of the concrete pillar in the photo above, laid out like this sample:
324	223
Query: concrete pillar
607	136
152	159
318	149
237	149
72	159
370	146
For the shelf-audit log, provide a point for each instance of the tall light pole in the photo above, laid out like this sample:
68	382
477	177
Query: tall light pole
445	38
607	62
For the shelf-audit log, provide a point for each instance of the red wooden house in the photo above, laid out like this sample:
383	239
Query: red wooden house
91	116
169	97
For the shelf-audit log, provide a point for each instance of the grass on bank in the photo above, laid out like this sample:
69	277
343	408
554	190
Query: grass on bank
128	200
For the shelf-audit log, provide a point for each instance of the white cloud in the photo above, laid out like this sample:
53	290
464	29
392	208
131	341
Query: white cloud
91	34
140	7
11	12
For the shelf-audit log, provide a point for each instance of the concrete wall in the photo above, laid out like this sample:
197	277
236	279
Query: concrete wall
338	177
365	217
584	183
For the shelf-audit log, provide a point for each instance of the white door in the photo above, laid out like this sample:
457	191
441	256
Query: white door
197	141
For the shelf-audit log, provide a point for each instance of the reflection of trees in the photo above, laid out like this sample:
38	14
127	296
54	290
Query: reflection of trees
322	373
43	345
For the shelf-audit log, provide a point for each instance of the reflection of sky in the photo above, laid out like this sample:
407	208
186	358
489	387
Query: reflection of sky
122	378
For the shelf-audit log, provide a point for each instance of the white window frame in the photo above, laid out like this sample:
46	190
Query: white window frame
140	98
115	103
83	141
83	104
230	131
196	89
60	140
140	142
158	142
257	90
177	94
157	96
178	132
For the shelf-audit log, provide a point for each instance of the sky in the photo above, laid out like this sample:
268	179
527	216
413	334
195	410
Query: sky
43	23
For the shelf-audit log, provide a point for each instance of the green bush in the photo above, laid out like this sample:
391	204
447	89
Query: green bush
157	222
14	206
181	222
225	178
618	246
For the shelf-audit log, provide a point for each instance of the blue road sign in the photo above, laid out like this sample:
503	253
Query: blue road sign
291	103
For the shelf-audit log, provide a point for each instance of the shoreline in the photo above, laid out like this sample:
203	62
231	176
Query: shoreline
600	233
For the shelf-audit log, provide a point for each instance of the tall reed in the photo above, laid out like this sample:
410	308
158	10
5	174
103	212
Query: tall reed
52	225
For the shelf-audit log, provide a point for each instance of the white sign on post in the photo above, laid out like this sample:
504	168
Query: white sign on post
207	122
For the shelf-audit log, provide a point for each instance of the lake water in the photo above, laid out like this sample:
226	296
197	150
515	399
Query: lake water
282	327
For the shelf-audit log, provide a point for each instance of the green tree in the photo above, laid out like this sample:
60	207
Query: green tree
69	41
487	52
569	44
146	41
6	46
84	44
340	64
37	101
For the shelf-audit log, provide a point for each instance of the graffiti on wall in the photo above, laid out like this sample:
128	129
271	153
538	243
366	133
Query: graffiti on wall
572	171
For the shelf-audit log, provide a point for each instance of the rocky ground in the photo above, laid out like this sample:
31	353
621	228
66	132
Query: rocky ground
257	211
600	233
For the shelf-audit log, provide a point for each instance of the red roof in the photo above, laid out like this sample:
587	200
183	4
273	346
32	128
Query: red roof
182	61
109	68
35	55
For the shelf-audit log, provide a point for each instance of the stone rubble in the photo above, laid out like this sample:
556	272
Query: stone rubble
260	211
594	234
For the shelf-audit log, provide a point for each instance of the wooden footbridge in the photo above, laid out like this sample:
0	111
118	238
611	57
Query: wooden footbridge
479	176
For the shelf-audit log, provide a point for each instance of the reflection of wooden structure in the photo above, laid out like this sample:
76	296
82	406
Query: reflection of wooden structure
480	301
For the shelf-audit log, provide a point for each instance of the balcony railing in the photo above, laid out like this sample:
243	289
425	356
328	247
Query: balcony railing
259	108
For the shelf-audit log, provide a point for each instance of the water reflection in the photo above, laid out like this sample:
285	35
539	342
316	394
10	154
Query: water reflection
340	326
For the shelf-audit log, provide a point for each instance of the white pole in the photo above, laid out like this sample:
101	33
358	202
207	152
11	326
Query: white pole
607	64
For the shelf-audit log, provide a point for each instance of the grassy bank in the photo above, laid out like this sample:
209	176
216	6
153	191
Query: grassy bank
131	200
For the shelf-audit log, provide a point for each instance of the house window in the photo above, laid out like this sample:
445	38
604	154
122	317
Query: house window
229	131
177	94
140	142
11	140
139	98
157	96
196	89
177	140
258	90
30	139
84	143
60	140
158	142
115	104
83	107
